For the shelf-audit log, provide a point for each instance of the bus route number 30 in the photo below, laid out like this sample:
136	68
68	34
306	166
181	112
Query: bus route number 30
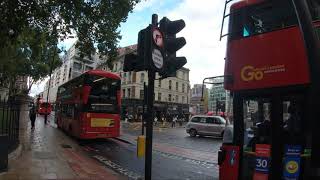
262	164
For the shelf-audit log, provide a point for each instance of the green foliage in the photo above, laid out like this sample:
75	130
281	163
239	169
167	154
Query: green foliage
30	30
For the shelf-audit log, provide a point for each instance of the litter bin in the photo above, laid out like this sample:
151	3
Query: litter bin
3	152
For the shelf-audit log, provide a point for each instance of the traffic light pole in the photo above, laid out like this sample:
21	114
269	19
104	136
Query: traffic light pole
149	119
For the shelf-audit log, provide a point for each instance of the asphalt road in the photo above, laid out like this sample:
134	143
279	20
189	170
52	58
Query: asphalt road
179	138
121	156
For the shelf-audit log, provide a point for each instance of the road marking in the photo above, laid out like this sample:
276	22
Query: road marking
189	160
118	168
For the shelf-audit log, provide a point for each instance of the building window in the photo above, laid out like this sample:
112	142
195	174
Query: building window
77	66
177	86
182	99
141	77
141	94
183	75
159	84
177	98
123	93
129	77
116	67
169	97
183	88
129	92
170	84
88	68
159	96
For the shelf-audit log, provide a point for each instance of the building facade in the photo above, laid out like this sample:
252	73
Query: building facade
197	104
171	95
72	67
218	95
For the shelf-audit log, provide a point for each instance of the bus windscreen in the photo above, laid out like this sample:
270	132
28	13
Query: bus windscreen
103	95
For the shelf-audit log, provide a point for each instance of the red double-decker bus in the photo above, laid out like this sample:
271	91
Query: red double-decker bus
88	106
267	71
44	108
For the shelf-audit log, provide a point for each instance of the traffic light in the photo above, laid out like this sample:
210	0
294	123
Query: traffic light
138	61
171	44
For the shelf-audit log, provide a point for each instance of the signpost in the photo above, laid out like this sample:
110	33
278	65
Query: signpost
156	52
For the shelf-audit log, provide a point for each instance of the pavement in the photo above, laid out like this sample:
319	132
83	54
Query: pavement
47	153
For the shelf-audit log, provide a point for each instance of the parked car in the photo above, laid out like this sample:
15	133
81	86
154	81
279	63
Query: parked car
206	126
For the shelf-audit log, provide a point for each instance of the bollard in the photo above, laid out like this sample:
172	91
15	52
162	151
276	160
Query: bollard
3	152
141	146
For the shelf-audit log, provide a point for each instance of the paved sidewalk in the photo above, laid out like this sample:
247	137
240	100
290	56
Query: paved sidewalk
50	154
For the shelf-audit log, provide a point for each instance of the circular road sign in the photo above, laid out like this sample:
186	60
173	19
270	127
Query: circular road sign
157	58
157	37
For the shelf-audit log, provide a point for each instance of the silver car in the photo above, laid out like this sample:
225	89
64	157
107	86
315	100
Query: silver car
206	126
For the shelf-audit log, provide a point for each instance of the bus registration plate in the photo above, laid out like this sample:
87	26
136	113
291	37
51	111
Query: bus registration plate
102	122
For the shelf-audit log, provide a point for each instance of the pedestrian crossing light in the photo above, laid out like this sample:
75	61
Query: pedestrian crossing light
171	44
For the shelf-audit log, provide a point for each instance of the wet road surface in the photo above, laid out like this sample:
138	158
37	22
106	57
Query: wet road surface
122	158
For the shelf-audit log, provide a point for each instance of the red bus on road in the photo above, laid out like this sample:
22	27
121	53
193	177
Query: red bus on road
88	106
44	108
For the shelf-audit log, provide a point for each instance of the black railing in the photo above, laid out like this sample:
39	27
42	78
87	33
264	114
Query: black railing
9	122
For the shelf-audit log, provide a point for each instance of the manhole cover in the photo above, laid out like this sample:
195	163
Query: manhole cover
65	146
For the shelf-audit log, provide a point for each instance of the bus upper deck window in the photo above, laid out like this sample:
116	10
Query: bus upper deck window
245	32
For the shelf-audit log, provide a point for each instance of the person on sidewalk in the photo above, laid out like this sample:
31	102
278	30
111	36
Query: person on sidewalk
174	120
155	121
32	115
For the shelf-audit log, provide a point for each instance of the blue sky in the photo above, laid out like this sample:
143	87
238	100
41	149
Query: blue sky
204	52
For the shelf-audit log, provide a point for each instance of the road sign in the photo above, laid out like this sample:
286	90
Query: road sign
157	58
157	37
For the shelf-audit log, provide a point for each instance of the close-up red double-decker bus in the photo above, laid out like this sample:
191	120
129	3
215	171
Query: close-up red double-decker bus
88	106
267	68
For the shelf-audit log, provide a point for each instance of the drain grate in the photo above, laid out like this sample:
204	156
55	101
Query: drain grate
65	146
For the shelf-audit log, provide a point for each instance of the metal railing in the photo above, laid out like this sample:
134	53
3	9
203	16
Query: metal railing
9	122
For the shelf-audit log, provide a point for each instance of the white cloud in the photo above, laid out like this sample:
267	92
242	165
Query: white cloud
204	52
38	88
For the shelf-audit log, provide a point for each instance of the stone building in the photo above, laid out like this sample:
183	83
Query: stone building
171	94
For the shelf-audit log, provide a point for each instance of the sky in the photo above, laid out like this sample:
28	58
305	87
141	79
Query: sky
204	51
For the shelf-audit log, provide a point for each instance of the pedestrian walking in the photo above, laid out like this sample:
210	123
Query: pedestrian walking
155	121
174	120
32	116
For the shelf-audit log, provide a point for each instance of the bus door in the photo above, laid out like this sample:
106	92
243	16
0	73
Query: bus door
271	134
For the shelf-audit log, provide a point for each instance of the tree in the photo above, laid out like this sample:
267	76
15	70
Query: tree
30	31
31	55
95	22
